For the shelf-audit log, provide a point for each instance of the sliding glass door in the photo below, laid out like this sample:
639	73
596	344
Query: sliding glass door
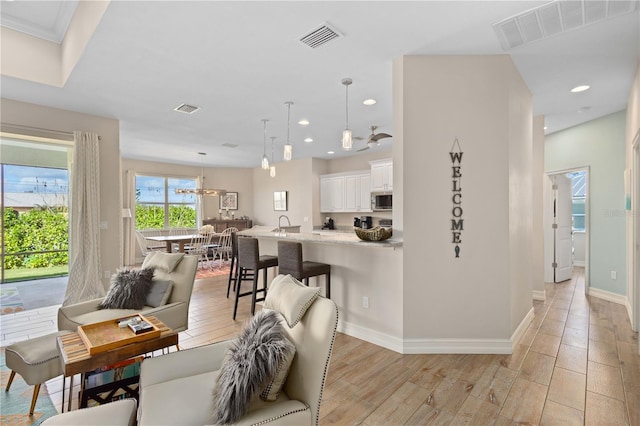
34	198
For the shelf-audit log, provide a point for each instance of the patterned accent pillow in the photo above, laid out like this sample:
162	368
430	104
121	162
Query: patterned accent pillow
275	384
252	360
129	289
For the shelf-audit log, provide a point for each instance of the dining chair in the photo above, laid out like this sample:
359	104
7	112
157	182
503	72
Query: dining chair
199	246
224	248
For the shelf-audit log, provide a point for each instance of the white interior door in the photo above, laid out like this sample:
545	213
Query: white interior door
563	244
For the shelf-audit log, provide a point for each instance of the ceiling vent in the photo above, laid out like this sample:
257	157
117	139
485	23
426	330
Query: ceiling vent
320	36
187	109
230	145
557	17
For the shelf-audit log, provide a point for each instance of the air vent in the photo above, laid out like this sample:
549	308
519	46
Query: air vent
557	17
230	145
320	36
187	109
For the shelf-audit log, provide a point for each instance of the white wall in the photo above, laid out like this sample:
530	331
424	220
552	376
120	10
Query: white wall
632	132
478	297
538	179
297	178
41	117
579	246
600	145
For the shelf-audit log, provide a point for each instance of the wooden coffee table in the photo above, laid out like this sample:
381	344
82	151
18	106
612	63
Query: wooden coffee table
76	359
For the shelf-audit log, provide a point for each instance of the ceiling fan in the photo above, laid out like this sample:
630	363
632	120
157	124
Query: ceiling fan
374	139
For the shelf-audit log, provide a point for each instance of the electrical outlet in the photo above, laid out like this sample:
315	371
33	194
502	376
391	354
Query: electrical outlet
104	224
305	219
107	274
365	302
614	275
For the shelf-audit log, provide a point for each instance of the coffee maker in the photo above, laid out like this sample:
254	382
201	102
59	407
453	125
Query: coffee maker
366	222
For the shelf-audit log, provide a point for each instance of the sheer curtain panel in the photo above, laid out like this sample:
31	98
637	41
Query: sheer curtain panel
84	231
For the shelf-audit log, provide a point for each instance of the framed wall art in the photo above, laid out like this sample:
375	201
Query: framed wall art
229	201
280	200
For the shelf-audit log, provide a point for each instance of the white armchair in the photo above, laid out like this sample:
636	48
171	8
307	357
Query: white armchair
177	388
175	314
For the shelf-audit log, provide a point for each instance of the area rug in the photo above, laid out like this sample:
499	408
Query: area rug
214	270
10	301
14	405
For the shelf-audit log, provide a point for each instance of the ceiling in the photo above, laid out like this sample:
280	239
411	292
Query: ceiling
239	62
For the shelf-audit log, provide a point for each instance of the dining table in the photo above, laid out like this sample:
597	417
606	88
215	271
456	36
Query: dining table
181	240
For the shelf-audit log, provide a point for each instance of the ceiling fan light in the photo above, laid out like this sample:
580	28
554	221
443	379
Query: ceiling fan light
288	152
347	140
272	171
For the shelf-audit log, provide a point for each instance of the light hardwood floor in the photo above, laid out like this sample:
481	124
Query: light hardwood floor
576	364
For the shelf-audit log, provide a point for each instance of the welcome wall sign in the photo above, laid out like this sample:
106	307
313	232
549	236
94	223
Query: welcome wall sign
457	222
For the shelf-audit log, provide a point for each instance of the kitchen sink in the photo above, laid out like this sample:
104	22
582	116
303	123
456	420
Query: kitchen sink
284	230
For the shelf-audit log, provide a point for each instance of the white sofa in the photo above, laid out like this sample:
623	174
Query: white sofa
175	314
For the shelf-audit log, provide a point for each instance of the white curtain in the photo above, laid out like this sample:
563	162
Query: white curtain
84	231
129	223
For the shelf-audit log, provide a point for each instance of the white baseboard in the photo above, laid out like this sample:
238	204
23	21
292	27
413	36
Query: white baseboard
371	336
427	346
521	329
579	263
609	296
540	295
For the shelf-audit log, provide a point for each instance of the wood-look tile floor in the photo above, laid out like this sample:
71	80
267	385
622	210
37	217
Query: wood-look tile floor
577	363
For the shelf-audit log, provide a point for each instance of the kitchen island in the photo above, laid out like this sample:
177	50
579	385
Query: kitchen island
366	279
321	237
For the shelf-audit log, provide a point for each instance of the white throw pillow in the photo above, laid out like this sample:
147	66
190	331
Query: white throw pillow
161	260
290	297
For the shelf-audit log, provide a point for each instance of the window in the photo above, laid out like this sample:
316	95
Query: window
579	186
159	207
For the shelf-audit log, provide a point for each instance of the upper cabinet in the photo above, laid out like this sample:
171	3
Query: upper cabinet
345	192
381	175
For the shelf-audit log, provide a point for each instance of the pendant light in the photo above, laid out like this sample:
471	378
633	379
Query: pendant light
201	190
347	140
272	168
265	160
288	149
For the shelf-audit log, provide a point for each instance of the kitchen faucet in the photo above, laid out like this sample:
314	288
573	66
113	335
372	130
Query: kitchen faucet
280	226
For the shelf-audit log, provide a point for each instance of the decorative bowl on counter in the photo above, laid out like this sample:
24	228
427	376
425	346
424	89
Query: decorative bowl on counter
374	234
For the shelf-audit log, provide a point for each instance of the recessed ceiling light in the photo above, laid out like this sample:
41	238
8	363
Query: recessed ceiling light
579	89
331	152
303	122
308	140
369	102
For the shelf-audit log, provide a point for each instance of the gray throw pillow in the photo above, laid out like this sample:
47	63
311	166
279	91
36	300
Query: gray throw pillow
129	289
159	293
251	361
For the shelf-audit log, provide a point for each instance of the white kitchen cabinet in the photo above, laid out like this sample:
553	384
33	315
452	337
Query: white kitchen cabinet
332	193
357	193
381	175
345	192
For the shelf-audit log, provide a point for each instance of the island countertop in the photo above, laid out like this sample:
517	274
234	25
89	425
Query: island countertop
322	237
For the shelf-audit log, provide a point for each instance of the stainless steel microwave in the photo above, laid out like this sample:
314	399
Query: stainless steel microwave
381	201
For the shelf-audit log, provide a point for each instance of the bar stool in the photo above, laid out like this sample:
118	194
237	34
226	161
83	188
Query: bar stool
290	262
233	269
250	262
